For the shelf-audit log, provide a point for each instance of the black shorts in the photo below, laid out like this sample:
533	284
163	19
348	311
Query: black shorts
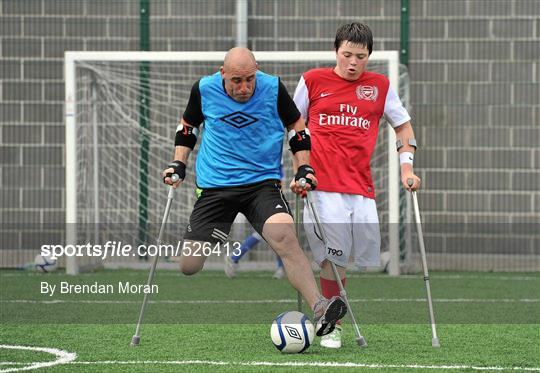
216	209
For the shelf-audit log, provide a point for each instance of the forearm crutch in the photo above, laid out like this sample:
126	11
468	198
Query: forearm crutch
136	339
434	338
297	227
359	338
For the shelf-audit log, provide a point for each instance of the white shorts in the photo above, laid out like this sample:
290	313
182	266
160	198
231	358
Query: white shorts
351	225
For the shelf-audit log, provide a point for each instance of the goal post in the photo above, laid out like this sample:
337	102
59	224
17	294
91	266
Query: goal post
101	90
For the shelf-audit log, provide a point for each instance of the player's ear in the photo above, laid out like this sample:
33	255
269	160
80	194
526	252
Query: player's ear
222	71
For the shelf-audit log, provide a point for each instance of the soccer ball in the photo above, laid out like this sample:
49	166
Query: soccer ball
44	264
292	332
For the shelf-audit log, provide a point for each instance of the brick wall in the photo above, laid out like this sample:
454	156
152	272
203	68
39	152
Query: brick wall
475	87
33	37
474	68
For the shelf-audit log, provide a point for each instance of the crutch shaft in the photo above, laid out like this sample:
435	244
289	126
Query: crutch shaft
359	338
434	338
135	340
137	336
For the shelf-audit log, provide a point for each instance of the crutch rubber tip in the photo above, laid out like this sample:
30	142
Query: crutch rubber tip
435	342
361	342
135	340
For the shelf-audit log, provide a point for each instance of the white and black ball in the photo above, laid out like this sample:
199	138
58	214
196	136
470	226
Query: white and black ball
292	332
44	263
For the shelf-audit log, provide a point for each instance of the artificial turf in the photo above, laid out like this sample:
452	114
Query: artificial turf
484	320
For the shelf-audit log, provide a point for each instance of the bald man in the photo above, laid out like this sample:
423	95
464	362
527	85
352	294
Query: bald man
245	114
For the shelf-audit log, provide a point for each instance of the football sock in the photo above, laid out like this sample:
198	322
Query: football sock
330	288
247	245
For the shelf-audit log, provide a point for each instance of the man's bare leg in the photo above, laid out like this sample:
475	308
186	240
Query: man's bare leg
279	232
191	264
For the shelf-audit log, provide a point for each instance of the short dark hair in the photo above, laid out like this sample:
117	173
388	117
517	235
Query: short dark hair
356	33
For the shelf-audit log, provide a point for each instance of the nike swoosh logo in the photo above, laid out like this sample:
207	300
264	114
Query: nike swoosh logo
325	94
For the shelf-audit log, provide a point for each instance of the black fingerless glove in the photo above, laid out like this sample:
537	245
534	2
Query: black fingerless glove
179	169
302	173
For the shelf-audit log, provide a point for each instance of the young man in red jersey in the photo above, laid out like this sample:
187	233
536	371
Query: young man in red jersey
343	106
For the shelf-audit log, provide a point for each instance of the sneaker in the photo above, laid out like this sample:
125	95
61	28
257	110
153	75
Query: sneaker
332	340
230	267
279	273
326	313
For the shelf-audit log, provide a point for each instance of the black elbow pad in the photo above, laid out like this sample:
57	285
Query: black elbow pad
186	136
299	140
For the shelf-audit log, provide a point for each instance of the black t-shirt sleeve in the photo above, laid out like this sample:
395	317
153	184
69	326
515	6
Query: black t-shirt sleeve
288	112
193	113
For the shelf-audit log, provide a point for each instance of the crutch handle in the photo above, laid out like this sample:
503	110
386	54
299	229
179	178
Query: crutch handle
303	182
174	177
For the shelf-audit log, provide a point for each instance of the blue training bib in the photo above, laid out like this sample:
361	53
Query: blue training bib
242	142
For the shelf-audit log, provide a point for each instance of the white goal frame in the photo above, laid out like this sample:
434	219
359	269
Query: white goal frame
71	58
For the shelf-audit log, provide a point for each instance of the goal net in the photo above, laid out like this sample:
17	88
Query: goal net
121	112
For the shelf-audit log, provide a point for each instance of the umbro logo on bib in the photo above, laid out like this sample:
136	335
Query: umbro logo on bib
239	119
278	206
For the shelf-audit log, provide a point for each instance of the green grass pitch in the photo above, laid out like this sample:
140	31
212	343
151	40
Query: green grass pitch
487	321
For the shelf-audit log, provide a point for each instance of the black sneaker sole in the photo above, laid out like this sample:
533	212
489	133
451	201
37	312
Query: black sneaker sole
335	311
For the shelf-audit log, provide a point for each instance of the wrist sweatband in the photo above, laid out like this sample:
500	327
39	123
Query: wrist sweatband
406	157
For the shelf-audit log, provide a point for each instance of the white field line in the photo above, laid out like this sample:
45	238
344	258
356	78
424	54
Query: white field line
254	274
62	357
291	364
266	301
324	364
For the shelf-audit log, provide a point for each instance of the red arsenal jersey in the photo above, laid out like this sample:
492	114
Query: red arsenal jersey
343	119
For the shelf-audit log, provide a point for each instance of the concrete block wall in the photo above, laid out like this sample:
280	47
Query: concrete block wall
475	93
33	37
474	68
487	90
